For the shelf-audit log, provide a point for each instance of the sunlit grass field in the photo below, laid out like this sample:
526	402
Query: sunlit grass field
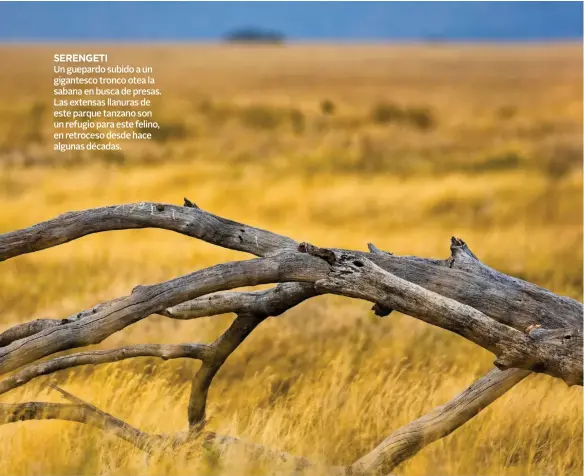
403	146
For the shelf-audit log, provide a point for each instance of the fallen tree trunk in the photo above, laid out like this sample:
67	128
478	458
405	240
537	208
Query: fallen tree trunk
461	276
527	328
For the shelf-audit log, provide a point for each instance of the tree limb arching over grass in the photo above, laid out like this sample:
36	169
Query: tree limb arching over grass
527	328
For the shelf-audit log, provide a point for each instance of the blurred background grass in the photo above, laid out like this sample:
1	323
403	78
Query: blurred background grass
404	146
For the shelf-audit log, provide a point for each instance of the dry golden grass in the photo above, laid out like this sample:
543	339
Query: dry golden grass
499	166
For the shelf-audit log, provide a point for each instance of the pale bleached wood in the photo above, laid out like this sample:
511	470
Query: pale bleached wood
269	302
26	329
81	411
222	348
188	221
525	326
556	352
408	440
511	301
162	351
111	317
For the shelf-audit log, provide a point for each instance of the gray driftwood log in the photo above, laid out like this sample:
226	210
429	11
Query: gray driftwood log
527	328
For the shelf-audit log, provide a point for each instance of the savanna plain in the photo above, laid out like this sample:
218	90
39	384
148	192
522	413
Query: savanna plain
403	146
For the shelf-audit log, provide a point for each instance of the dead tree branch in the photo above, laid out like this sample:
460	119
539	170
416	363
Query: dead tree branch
222	348
556	352
398	447
271	302
527	327
405	442
163	351
509	300
80	412
189	221
26	329
147	300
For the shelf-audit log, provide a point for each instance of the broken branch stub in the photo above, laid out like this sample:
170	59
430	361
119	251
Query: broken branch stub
555	352
528	328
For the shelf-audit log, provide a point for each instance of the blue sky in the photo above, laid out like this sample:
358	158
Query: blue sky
300	21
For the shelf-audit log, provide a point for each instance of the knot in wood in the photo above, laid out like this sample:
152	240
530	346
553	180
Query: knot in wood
322	253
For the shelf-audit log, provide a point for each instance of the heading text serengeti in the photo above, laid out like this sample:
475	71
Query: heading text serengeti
80	58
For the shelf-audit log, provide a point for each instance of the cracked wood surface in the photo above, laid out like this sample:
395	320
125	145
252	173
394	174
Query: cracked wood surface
527	327
185	220
512	301
147	300
347	274
555	352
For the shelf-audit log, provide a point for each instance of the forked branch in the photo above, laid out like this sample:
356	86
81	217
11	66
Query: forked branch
401	445
555	352
509	300
222	348
528	328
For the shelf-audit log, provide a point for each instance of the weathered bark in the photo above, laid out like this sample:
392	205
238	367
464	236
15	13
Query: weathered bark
509	300
26	329
222	348
528	328
556	352
146	300
163	351
271	302
188	221
405	442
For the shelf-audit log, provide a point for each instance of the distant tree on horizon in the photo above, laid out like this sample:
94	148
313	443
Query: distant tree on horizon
254	35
